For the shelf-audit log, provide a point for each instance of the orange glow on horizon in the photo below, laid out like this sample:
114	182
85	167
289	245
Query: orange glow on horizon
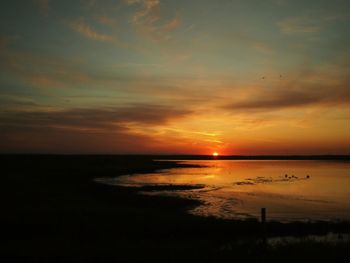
215	154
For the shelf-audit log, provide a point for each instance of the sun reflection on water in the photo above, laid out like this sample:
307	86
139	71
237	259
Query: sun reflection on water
291	190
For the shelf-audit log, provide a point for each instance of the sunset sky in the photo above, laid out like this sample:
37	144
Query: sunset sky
175	76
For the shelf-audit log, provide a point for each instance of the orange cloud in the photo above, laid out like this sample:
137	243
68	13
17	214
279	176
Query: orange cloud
172	24
105	20
149	22
87	31
106	130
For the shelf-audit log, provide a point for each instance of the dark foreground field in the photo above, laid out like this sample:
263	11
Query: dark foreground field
52	211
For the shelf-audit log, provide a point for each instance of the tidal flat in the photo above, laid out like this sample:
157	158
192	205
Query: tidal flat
53	210
290	190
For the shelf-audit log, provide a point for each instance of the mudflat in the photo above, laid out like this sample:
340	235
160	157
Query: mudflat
53	210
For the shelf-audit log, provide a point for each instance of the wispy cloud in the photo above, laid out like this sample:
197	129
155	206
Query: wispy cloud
106	20
106	129
87	31
89	3
300	24
312	23
172	24
276	100
310	92
149	22
263	48
38	70
149	14
86	118
43	5
190	27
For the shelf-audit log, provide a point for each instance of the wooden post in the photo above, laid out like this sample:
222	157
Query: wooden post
263	225
263	215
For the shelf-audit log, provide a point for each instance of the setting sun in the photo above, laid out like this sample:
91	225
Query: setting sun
215	154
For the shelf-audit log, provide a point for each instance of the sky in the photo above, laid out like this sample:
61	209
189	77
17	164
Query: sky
239	77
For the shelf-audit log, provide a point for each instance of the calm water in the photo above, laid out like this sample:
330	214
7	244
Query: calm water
290	190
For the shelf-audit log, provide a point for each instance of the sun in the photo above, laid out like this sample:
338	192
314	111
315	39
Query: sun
215	154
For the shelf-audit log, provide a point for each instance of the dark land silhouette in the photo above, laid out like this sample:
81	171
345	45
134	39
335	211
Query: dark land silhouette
53	211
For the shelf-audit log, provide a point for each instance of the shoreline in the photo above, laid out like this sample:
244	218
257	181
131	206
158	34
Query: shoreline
54	208
318	228
176	157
